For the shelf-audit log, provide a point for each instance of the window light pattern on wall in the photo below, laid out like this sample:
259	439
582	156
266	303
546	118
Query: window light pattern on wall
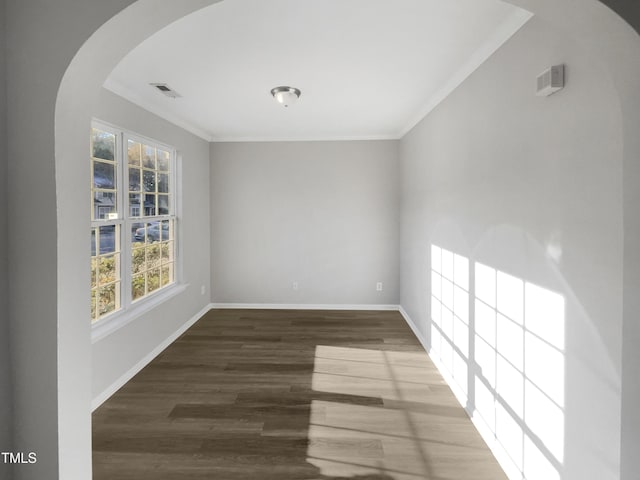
450	315
515	368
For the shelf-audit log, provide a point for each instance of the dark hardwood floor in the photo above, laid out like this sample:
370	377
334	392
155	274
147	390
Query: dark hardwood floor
289	395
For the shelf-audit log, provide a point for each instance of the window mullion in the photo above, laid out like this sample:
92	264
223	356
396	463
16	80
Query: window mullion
125	234
172	183
126	263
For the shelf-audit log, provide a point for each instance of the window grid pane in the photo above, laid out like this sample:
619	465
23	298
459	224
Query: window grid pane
104	175
152	257
134	153
105	271
152	250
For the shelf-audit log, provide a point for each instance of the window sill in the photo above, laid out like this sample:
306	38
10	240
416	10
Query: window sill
116	321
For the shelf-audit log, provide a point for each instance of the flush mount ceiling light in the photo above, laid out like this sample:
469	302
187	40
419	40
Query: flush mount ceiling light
285	95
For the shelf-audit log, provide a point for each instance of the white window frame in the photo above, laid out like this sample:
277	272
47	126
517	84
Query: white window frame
130	310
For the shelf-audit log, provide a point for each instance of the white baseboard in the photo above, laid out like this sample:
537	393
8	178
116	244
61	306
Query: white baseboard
489	437
414	328
129	374
303	306
457	391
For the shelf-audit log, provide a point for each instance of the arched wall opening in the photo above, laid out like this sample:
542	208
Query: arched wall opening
592	25
74	110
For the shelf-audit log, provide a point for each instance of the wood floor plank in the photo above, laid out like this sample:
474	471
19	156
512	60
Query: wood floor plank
289	395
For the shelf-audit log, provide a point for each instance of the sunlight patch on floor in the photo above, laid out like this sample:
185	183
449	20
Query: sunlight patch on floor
416	431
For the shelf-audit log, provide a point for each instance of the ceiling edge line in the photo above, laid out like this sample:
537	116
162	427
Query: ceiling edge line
328	138
500	36
118	89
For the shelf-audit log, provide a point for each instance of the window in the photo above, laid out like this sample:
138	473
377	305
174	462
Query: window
133	222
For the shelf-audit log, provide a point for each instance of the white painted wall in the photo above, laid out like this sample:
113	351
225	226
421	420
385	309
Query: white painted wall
323	214
6	433
53	79
49	336
511	180
627	87
115	354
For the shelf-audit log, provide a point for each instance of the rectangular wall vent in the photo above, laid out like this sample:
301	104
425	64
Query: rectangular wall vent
550	81
166	90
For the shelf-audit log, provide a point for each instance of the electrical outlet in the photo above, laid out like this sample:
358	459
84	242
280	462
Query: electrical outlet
294	285
379	287
202	290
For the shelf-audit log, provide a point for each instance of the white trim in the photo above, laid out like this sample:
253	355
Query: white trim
301	306
113	322
413	327
319	138
178	246
499	452
129	374
134	98
457	391
148	141
504	32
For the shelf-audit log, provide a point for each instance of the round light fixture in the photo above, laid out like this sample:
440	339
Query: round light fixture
285	95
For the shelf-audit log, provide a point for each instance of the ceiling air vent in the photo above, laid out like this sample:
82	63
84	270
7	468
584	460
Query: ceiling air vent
550	81
166	90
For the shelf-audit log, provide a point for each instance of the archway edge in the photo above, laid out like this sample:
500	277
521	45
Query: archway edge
83	78
138	20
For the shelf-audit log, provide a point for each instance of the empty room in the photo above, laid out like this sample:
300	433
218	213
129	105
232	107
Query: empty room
319	239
